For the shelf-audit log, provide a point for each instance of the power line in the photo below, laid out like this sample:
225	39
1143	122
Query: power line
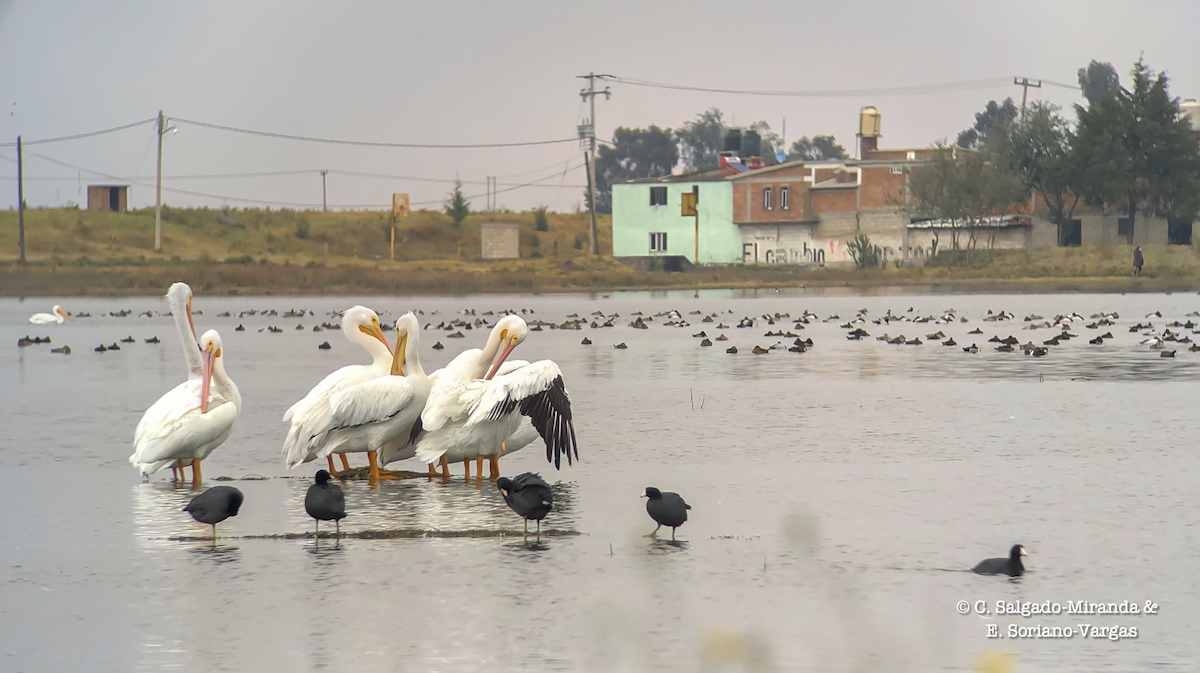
79	136
239	199
912	90
364	143
311	171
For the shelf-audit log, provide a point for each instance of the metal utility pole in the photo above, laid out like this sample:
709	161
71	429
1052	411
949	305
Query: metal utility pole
20	200
1025	84
324	205
161	128
589	94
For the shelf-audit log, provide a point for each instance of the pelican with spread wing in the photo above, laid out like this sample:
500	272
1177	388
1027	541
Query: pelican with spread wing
478	401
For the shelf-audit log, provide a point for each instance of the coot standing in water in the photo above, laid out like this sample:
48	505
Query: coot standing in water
667	509
325	502
215	505
1010	566
528	495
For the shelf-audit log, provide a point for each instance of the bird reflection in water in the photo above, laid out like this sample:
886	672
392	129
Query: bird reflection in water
664	547
214	553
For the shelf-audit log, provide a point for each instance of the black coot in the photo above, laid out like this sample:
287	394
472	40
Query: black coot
1010	566
325	502
528	495
215	505
667	509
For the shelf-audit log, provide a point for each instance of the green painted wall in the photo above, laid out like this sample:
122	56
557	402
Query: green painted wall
634	219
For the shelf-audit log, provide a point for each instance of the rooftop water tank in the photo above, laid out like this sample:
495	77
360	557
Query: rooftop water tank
733	141
870	122
751	144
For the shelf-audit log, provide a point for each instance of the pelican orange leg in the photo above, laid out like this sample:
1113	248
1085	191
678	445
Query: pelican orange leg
197	477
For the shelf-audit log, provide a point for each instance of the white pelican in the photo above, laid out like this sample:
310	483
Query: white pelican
370	415
54	317
179	299
192	419
361	326
476	404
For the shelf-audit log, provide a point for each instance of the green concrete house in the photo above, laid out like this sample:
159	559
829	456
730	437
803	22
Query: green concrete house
648	211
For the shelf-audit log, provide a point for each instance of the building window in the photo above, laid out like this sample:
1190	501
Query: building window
767	198
912	155
783	199
658	241
658	196
896	170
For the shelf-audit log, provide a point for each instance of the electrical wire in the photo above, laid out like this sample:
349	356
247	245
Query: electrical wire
79	136
365	143
911	90
281	203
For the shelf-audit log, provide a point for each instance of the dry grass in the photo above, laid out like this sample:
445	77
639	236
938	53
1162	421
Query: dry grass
87	253
66	236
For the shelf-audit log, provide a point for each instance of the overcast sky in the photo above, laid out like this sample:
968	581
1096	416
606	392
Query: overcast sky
488	72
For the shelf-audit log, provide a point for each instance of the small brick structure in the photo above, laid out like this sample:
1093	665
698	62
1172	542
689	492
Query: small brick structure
500	240
114	198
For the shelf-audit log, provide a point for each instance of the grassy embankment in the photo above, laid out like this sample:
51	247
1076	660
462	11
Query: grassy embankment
259	251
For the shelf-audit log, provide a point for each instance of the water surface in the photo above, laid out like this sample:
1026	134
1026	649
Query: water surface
837	496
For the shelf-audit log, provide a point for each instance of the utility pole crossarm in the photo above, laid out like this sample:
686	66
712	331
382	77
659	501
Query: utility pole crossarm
1025	84
589	94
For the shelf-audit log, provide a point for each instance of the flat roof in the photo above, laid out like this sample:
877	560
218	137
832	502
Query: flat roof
713	175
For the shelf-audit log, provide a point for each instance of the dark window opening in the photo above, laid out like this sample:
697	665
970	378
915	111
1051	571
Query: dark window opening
114	199
1125	231
1073	234
1179	232
658	196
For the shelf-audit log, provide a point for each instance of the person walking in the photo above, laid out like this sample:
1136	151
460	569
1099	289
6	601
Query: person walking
1138	261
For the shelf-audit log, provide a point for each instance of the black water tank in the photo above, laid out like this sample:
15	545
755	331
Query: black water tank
751	144
733	141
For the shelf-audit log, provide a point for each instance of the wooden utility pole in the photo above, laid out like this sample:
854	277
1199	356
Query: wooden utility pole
161	128
324	204
20	200
589	94
1024	83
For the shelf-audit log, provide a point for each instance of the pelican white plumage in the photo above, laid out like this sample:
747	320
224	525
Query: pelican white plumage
192	419
477	402
313	414
54	317
378	412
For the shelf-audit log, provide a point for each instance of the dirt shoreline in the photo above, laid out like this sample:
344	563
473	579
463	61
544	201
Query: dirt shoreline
462	279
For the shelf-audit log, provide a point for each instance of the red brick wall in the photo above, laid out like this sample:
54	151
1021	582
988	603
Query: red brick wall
834	200
882	189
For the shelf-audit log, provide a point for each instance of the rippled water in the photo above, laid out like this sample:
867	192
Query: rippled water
837	496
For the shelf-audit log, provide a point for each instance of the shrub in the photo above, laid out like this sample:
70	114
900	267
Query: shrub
244	259
539	219
866	255
579	243
535	241
302	229
536	255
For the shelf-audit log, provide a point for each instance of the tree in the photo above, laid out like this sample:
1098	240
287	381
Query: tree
457	206
1136	150
995	121
539	219
701	140
963	187
820	148
635	153
1039	150
1098	81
